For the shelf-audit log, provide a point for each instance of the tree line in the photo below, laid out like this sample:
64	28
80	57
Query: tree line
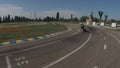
10	19
102	18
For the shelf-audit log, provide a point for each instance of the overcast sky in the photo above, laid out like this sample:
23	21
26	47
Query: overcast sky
44	8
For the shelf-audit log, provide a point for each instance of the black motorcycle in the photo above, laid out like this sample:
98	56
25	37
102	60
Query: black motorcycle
83	28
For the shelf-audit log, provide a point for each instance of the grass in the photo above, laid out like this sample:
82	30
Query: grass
20	24
13	24
117	29
15	33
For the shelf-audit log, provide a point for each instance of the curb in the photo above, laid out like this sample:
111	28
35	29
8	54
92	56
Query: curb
13	42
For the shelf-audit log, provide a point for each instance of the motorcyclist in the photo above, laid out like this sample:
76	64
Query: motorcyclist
83	28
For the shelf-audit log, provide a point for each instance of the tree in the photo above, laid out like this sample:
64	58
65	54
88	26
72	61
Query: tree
75	19
36	19
62	19
57	16
91	16
5	19
40	19
0	20
8	18
106	17
12	20
113	20
118	21
53	19
16	19
100	13
48	19
83	18
96	19
71	17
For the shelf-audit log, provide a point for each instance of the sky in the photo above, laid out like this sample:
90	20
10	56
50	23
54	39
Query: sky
43	8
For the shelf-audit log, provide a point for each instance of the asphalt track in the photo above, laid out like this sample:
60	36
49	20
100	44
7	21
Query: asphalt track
98	48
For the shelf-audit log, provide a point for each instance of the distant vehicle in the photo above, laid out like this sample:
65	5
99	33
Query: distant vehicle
83	28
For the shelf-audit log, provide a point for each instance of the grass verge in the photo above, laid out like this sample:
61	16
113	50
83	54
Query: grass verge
21	32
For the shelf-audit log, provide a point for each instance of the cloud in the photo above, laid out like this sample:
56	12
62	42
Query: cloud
63	13
14	10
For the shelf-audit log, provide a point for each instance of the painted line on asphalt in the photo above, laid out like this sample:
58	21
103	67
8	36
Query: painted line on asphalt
30	48
76	32
95	67
22	63
18	64
20	58
115	37
69	54
37	46
104	38
105	47
8	62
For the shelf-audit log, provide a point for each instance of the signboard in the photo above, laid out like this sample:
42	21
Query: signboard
102	24
94	23
114	25
87	23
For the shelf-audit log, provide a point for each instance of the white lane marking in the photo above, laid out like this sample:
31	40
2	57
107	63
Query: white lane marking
115	37
30	48
105	47
69	54
75	32
23	58
22	63
8	62
18	64
18	59
37	46
104	38
27	61
95	67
